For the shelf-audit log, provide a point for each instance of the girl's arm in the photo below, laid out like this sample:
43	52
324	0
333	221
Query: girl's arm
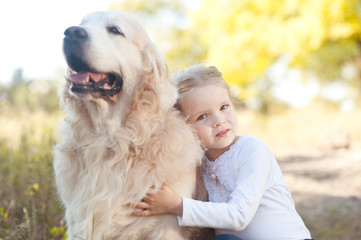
253	167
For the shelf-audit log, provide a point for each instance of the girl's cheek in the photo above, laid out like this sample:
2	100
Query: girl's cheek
198	130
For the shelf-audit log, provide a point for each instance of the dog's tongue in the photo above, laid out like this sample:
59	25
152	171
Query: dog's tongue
83	77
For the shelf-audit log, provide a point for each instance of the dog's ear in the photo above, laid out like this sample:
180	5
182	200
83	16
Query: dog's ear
158	76
154	94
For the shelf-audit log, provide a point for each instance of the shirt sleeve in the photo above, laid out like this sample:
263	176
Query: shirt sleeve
253	165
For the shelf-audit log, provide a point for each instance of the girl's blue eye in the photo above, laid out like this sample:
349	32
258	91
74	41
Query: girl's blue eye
223	107
201	117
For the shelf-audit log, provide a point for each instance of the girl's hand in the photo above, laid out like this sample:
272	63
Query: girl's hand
164	201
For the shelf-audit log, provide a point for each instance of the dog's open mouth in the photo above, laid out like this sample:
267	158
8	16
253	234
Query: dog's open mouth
105	84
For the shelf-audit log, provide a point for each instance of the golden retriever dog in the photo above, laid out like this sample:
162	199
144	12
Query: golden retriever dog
121	134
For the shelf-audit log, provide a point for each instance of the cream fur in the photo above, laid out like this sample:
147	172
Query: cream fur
112	150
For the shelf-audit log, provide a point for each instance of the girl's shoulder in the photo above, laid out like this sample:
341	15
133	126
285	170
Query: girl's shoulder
250	148
248	142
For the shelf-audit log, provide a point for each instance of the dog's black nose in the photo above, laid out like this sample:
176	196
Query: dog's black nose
75	33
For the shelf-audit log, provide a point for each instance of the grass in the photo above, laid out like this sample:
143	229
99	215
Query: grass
29	207
334	223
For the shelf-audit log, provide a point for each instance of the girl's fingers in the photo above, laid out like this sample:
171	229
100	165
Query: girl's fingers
142	205
149	193
148	198
143	213
143	210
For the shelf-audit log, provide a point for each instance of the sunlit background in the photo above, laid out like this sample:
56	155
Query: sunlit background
294	70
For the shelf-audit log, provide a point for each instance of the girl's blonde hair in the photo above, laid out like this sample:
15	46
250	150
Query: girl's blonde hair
197	76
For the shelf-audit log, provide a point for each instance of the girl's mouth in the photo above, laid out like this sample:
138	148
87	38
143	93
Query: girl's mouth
222	133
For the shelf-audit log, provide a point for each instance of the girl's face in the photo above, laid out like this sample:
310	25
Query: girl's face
211	112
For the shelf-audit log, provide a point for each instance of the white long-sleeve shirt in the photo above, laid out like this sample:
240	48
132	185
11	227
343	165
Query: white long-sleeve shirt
248	196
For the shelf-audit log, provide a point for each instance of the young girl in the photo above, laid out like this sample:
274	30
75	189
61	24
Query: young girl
248	196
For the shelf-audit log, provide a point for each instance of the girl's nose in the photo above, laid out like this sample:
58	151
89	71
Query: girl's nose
219	122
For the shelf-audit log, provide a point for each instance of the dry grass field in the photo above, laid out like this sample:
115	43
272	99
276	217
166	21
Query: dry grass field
326	186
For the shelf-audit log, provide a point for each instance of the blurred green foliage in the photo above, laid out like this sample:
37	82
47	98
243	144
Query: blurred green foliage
244	38
30	95
250	34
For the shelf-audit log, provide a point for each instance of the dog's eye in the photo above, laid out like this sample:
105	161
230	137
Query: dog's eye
115	30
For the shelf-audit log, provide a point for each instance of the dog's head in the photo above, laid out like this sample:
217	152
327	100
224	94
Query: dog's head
109	55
